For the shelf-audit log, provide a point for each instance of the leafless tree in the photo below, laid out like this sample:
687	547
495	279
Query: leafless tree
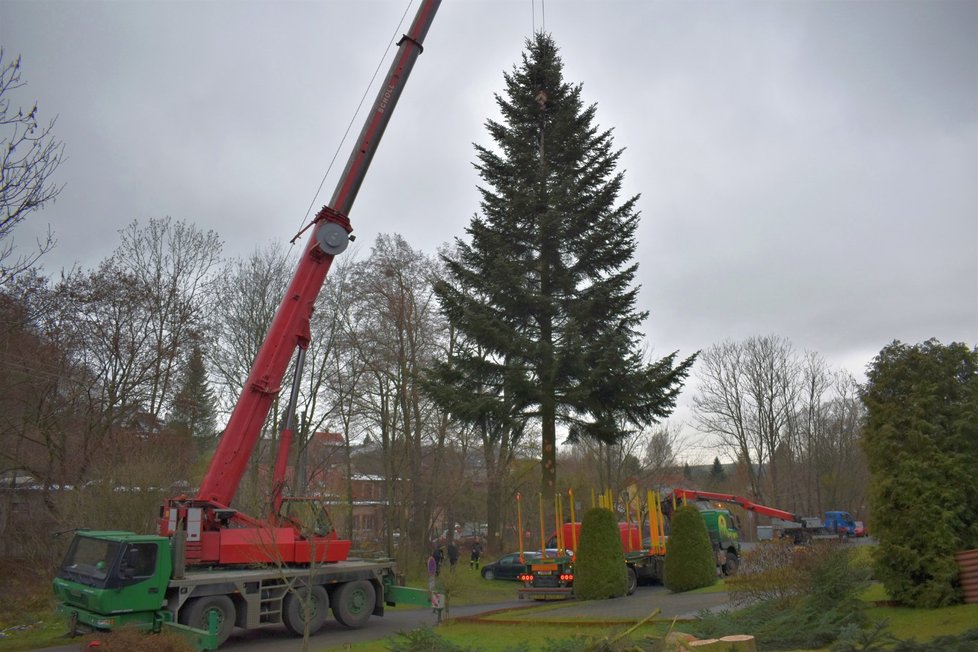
806	433
335	370
29	157
171	263
773	379
398	332
723	409
246	294
663	448
747	395
111	347
792	423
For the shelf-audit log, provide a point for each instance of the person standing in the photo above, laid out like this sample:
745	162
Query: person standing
475	555
432	571
439	558
452	555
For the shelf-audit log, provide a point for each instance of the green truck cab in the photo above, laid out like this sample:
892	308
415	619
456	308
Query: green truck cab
722	528
112	579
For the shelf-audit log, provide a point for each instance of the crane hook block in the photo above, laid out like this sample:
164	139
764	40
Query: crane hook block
332	238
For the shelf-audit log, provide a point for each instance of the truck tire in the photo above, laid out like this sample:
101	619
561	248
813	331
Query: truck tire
196	614
294	612
732	564
632	581
353	603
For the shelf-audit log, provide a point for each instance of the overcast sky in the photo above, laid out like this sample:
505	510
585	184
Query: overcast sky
806	169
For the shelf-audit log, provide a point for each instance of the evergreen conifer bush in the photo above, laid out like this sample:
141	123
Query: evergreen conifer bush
921	443
599	563
690	561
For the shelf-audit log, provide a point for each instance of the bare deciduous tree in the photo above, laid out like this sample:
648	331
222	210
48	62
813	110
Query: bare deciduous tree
171	263
399	336
663	447
247	293
747	396
791	423
29	157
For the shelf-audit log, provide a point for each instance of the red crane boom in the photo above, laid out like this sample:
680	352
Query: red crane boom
694	494
206	517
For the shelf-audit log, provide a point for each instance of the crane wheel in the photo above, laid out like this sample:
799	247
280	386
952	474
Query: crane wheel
353	602
732	564
196	613
294	609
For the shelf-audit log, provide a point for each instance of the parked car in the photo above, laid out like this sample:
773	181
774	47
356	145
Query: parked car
508	567
860	529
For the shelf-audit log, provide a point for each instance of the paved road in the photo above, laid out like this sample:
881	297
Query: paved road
333	635
402	619
632	608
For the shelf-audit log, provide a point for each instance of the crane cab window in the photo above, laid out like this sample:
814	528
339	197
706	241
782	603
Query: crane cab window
138	561
308	514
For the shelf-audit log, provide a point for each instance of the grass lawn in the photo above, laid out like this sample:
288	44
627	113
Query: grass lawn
498	637
29	622
926	624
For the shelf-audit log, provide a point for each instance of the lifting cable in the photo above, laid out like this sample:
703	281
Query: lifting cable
543	15
349	126
542	96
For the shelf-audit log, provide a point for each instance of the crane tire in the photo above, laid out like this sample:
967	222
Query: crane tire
353	603
294	612
732	564
196	614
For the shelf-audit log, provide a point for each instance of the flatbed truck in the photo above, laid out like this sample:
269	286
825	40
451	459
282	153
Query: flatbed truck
111	579
644	547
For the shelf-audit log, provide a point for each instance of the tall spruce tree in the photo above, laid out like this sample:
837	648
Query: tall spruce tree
543	295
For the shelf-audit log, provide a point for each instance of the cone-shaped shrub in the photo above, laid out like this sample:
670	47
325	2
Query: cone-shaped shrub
690	561
599	563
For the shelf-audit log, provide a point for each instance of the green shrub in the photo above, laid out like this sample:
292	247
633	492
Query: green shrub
816	605
424	639
599	563
921	445
690	559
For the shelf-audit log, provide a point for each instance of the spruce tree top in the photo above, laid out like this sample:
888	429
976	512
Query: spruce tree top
543	293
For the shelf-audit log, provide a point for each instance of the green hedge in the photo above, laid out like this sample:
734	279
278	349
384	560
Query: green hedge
599	564
690	560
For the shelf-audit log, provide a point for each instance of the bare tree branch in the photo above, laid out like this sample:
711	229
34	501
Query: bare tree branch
29	157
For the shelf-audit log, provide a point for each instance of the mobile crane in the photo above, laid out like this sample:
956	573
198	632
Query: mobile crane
801	529
288	566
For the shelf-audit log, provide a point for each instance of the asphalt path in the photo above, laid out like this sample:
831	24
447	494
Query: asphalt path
645	601
333	635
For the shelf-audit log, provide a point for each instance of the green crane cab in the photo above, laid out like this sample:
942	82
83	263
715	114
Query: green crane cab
111	579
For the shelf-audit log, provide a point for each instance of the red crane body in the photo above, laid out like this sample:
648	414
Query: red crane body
208	517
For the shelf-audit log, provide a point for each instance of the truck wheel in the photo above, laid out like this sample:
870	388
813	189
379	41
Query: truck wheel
196	614
353	603
731	565
632	581
294	609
